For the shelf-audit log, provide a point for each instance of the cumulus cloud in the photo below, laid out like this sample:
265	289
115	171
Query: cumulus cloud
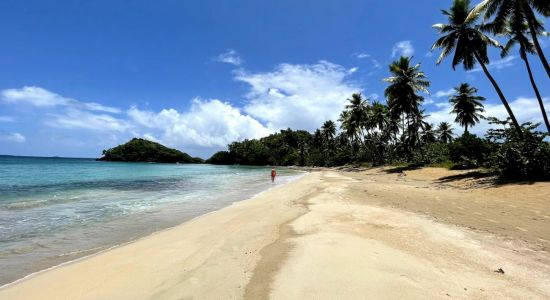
444	93
297	96
41	97
498	64
208	123
12	137
525	110
230	57
79	119
404	48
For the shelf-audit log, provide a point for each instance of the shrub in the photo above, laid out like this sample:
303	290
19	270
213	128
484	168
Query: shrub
526	158
469	151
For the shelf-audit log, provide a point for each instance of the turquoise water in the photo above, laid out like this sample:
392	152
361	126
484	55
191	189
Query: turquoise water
54	210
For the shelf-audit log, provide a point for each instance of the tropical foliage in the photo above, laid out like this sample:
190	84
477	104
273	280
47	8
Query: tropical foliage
140	150
396	130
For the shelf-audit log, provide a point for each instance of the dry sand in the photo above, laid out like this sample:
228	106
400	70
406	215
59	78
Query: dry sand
379	234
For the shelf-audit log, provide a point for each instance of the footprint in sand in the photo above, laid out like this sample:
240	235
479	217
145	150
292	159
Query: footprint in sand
512	205
478	213
492	221
522	229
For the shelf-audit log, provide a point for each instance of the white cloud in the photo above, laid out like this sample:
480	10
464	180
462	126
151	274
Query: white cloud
208	123
361	55
6	119
353	70
12	137
404	48
41	97
78	119
447	93
230	57
498	64
297	96
525	110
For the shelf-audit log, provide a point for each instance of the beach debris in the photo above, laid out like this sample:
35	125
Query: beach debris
499	270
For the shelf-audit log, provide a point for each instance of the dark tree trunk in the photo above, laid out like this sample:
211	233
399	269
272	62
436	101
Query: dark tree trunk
537	93
501	96
530	16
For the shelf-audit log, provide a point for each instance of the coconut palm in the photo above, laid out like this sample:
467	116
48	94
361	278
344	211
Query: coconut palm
522	12
403	99
469	44
515	30
467	105
428	134
404	84
328	130
445	132
378	116
357	114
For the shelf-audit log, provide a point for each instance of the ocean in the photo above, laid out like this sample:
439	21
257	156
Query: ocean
53	210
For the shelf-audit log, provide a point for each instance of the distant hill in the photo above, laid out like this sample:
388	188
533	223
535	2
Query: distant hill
140	150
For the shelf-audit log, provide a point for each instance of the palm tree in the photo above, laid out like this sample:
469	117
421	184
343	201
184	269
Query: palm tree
379	116
516	29
403	99
404	84
445	131
428	134
467	106
469	44
328	130
357	114
522	11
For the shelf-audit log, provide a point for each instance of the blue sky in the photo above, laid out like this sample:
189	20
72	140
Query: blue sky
77	77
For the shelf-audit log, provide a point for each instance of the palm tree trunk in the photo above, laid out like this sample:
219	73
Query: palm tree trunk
535	88
465	128
500	95
533	32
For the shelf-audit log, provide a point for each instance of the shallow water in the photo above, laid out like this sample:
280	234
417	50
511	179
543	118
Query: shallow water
54	210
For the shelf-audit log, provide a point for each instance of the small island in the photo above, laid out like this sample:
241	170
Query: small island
141	150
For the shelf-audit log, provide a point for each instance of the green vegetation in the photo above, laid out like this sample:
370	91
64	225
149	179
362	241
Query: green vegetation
140	150
397	132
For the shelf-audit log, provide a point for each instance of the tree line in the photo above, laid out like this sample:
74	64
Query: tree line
397	131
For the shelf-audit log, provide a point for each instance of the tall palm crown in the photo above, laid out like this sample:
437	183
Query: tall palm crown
354	118
404	84
515	11
445	132
463	36
328	130
428	134
379	116
467	105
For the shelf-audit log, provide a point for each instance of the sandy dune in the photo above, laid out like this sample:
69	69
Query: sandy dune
332	235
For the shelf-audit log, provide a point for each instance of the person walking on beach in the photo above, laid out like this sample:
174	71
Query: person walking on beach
273	174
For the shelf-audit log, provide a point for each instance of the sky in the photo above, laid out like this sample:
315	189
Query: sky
77	77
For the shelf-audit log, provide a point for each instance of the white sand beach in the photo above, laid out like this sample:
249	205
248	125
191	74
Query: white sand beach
375	234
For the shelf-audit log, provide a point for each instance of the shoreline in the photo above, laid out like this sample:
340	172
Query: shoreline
289	179
264	247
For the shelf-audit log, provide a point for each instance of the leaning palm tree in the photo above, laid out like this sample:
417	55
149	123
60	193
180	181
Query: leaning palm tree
516	29
469	44
445	132
522	11
467	105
